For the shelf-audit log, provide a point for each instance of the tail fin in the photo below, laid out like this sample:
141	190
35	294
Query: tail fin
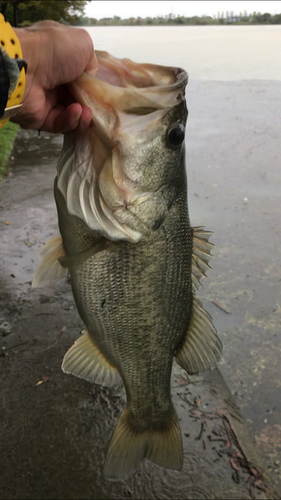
129	447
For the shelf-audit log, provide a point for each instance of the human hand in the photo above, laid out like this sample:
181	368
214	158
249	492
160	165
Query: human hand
56	55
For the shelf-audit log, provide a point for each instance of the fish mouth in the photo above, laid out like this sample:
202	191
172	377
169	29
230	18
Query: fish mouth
128	101
126	73
122	87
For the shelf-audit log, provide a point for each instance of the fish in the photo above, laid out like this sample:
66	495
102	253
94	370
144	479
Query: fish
134	261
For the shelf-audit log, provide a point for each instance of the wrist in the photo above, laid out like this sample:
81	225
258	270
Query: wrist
12	78
28	41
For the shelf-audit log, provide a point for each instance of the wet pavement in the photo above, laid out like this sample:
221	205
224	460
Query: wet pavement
55	428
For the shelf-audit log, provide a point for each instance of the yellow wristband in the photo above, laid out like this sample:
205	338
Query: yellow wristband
9	42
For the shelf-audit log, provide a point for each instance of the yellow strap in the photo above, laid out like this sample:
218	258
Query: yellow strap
9	42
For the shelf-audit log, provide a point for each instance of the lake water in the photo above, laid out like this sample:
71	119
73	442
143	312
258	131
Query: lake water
206	52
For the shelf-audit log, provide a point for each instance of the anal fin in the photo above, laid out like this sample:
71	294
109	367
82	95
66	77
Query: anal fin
202	348
50	270
85	360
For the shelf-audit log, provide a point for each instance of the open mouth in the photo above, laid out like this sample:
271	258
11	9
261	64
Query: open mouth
125	73
128	87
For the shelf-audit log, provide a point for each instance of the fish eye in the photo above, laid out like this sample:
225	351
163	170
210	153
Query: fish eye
175	135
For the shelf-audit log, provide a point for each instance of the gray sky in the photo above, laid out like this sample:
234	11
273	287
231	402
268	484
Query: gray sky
125	9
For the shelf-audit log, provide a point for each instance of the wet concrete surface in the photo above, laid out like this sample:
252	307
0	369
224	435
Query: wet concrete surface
55	428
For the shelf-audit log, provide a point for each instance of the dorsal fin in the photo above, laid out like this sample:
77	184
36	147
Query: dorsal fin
201	254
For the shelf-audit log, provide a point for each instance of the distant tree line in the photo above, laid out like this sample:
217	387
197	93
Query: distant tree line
175	20
24	13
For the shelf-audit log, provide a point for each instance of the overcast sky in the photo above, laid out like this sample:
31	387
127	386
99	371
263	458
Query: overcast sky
125	9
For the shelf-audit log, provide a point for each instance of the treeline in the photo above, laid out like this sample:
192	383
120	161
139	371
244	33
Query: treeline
24	13
219	19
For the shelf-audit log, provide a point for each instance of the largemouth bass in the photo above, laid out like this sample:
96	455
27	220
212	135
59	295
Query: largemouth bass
134	261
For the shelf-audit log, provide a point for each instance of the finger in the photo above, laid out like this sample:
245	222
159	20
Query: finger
85	120
62	120
92	66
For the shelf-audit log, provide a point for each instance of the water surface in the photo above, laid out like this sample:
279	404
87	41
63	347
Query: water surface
206	52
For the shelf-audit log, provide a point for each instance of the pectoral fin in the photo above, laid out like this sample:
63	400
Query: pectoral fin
201	349
68	261
85	360
50	269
